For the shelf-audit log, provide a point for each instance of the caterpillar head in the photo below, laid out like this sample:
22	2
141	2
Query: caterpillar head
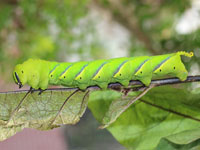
20	75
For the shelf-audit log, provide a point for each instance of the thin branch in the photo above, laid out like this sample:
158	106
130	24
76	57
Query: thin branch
117	86
167	81
10	2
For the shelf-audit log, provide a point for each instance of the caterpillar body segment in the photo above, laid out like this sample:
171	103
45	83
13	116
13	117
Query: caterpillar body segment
85	78
44	68
131	70
157	63
106	74
124	73
143	72
40	73
57	71
67	78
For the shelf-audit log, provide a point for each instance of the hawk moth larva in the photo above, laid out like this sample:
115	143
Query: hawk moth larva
38	74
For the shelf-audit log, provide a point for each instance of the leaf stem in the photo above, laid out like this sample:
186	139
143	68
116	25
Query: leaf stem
127	106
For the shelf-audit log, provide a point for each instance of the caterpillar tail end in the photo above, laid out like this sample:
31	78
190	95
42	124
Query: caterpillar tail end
187	54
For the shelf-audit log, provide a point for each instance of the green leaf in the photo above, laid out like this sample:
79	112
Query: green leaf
181	141
117	107
161	113
39	111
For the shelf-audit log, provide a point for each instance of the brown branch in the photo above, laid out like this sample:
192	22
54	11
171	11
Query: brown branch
10	2
119	87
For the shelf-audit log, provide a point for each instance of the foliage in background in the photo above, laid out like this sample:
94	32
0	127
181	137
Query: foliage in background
46	29
64	30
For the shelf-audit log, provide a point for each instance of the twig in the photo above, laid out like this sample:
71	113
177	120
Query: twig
167	81
117	86
114	86
127	106
158	82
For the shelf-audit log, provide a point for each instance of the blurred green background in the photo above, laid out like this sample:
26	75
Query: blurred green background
73	30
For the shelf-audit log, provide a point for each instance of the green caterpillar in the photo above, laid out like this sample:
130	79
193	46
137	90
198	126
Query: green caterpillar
38	74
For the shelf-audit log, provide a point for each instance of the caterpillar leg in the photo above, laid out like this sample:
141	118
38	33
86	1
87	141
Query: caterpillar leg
82	87
125	83
63	105
41	91
103	86
31	90
146	81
